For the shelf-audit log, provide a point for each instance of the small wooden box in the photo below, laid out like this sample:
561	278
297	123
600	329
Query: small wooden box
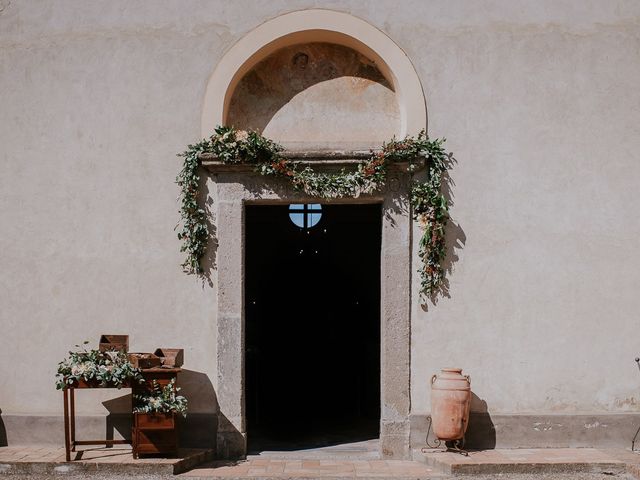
144	360
114	342
171	357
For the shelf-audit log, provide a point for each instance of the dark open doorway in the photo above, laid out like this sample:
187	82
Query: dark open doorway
312	303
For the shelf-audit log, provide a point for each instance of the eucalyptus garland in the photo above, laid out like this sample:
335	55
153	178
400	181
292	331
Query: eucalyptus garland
429	204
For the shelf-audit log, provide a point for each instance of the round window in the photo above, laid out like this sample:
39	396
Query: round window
305	215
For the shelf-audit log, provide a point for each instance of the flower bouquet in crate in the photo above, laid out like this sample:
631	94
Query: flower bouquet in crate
158	406
95	368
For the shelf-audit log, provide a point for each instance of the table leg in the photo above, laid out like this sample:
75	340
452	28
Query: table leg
72	395
67	445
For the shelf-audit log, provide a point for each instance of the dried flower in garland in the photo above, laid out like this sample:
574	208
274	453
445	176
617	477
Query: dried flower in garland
430	206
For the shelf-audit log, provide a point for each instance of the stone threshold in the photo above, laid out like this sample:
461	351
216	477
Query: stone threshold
50	460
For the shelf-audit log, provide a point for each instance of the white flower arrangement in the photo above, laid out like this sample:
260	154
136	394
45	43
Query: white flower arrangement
108	369
161	400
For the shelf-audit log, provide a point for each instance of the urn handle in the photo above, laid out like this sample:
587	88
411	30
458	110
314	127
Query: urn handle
468	377
433	379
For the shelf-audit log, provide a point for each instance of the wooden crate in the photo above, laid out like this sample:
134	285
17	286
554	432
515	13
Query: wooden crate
144	360
154	433
161	375
114	342
171	357
155	421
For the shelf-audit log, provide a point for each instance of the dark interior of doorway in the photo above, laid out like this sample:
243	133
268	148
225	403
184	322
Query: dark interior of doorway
312	303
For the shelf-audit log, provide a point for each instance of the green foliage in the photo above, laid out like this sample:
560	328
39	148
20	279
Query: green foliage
238	146
429	204
161	400
431	209
194	231
111	369
367	178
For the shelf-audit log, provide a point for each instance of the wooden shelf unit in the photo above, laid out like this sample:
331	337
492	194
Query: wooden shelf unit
155	433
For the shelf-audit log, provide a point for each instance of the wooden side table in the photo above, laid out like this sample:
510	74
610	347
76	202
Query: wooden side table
70	441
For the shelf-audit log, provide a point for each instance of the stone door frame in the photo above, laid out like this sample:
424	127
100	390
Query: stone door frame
230	192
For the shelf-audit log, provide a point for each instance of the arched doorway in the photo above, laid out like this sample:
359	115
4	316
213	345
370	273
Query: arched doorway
354	52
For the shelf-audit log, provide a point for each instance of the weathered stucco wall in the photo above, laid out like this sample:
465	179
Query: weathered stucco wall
543	119
540	107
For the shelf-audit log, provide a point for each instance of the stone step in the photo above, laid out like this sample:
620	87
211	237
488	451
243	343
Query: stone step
524	461
362	450
50	461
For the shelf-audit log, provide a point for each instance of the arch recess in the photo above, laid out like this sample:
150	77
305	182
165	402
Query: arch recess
317	26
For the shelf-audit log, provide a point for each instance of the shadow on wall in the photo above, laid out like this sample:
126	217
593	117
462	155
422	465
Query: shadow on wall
198	430
3	433
334	111
208	262
119	419
481	433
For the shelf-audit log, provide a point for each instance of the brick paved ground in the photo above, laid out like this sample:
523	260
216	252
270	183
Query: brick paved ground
39	463
102	476
256	467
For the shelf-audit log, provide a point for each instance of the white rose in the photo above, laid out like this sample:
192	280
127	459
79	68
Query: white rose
113	355
242	135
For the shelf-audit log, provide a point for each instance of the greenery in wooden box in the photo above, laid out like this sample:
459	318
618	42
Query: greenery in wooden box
104	369
161	400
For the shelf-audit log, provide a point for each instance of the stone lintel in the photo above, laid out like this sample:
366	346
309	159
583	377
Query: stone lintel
329	160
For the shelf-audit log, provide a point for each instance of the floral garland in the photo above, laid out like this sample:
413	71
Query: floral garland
429	204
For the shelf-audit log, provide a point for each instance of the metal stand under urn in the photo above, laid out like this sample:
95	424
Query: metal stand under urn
450	403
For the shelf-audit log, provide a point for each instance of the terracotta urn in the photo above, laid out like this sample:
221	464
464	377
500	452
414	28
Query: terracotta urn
450	402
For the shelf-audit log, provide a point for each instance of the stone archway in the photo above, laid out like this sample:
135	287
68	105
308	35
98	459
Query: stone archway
236	186
318	26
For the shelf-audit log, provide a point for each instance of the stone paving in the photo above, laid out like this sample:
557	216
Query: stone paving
102	476
517	464
583	462
256	467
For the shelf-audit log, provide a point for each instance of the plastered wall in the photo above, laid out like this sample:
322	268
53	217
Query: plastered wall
540	106
542	114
